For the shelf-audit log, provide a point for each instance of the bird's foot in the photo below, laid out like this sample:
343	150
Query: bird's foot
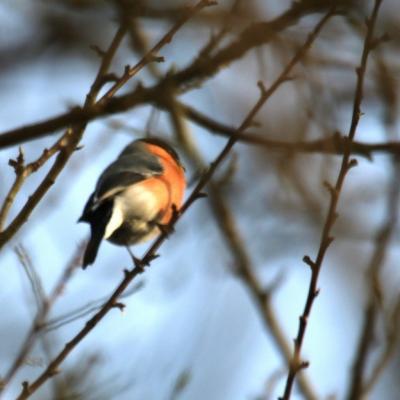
136	261
166	229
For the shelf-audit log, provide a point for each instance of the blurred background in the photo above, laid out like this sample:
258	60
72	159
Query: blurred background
215	316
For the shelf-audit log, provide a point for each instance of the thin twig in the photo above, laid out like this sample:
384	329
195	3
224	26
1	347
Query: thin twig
33	277
65	146
22	172
326	239
40	298
44	306
83	311
152	54
334	144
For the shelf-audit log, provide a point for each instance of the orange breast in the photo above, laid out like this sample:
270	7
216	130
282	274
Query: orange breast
169	188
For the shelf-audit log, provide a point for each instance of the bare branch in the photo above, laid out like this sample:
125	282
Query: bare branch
65	147
254	35
297	364
84	311
152	54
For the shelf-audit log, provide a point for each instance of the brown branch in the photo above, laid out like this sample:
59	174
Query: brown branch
139	41
334	144
44	128
65	146
150	254
19	170
142	9
85	310
39	295
256	34
326	239
32	275
22	172
107	58
151	55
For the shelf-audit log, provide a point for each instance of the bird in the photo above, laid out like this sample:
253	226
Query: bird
135	196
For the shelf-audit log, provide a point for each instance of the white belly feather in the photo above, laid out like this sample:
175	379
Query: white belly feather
134	202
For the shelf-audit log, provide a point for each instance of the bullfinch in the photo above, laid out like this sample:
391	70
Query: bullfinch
134	196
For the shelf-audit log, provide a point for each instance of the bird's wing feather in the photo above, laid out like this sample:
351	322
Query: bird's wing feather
126	171
115	183
98	222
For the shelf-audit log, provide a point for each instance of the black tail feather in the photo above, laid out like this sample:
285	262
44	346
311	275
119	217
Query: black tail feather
92	248
98	220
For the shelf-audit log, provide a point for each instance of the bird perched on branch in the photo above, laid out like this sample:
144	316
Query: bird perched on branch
135	196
